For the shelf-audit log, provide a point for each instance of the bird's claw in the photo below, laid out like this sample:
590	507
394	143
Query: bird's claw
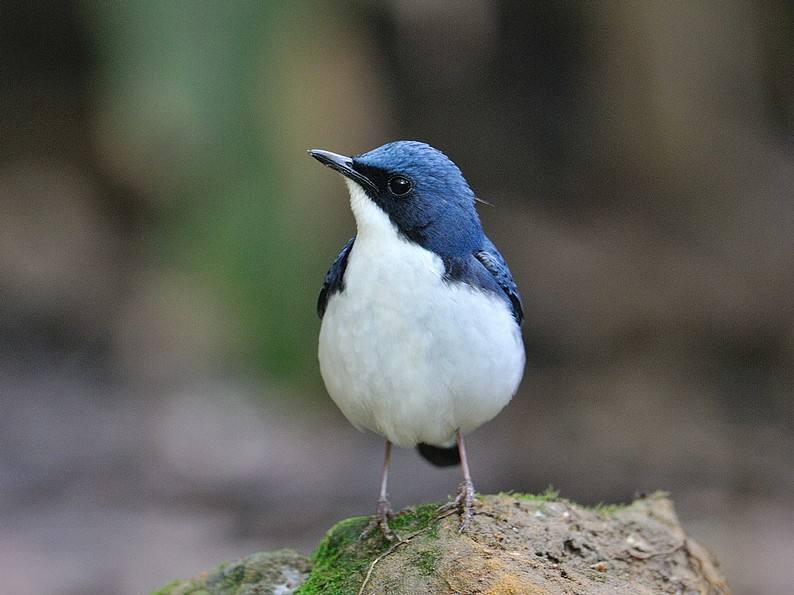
380	521
463	504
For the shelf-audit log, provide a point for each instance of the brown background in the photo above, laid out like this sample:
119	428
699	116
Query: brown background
163	236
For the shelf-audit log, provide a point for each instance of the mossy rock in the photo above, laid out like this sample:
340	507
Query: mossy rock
517	544
264	573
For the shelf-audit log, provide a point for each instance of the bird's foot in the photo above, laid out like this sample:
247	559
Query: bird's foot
380	522
463	504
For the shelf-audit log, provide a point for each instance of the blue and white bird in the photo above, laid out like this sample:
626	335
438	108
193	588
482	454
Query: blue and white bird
420	338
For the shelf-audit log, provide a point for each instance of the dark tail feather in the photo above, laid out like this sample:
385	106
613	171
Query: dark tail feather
440	457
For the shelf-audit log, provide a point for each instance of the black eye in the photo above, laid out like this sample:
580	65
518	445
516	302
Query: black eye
399	186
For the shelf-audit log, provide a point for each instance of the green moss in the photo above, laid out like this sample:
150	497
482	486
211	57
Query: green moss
181	587
342	559
608	509
426	562
171	587
260	571
549	495
228	578
414	519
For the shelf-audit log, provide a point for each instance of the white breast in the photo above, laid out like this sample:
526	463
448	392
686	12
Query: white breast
407	355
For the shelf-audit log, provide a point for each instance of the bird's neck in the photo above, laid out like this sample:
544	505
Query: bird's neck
371	222
457	239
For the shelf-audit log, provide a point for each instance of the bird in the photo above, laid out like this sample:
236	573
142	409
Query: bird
420	337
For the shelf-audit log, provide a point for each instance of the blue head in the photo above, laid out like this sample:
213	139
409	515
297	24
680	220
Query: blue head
421	190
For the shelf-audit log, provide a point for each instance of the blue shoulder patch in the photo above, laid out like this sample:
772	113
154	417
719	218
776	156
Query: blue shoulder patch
334	278
486	269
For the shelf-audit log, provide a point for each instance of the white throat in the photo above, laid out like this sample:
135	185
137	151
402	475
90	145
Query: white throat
371	221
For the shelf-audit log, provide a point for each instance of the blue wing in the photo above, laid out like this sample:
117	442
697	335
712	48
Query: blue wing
495	264
334	278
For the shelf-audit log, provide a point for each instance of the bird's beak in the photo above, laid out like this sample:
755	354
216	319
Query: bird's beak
344	165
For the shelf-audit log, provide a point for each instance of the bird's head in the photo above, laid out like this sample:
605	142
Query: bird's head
421	192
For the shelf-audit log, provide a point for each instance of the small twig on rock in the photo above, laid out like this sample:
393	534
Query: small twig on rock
398	544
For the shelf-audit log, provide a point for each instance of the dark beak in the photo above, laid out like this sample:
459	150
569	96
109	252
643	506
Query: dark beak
344	165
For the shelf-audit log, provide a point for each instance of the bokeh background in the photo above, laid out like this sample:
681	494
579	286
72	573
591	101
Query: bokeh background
163	236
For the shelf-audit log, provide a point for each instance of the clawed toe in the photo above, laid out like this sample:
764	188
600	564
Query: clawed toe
380	522
462	503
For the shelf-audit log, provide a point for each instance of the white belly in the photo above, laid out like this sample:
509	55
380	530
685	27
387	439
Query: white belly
409	356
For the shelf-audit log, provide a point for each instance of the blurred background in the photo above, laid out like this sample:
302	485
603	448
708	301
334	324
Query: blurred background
163	237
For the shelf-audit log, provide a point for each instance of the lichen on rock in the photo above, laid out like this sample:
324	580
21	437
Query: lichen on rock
264	573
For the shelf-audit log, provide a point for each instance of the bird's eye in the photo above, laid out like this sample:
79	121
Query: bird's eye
399	186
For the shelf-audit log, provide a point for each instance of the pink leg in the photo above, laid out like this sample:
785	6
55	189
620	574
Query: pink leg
465	497
383	511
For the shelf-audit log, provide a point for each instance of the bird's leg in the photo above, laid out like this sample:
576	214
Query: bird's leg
383	512
465	497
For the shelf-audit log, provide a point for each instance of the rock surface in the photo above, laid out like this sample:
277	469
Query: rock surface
262	573
517	544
